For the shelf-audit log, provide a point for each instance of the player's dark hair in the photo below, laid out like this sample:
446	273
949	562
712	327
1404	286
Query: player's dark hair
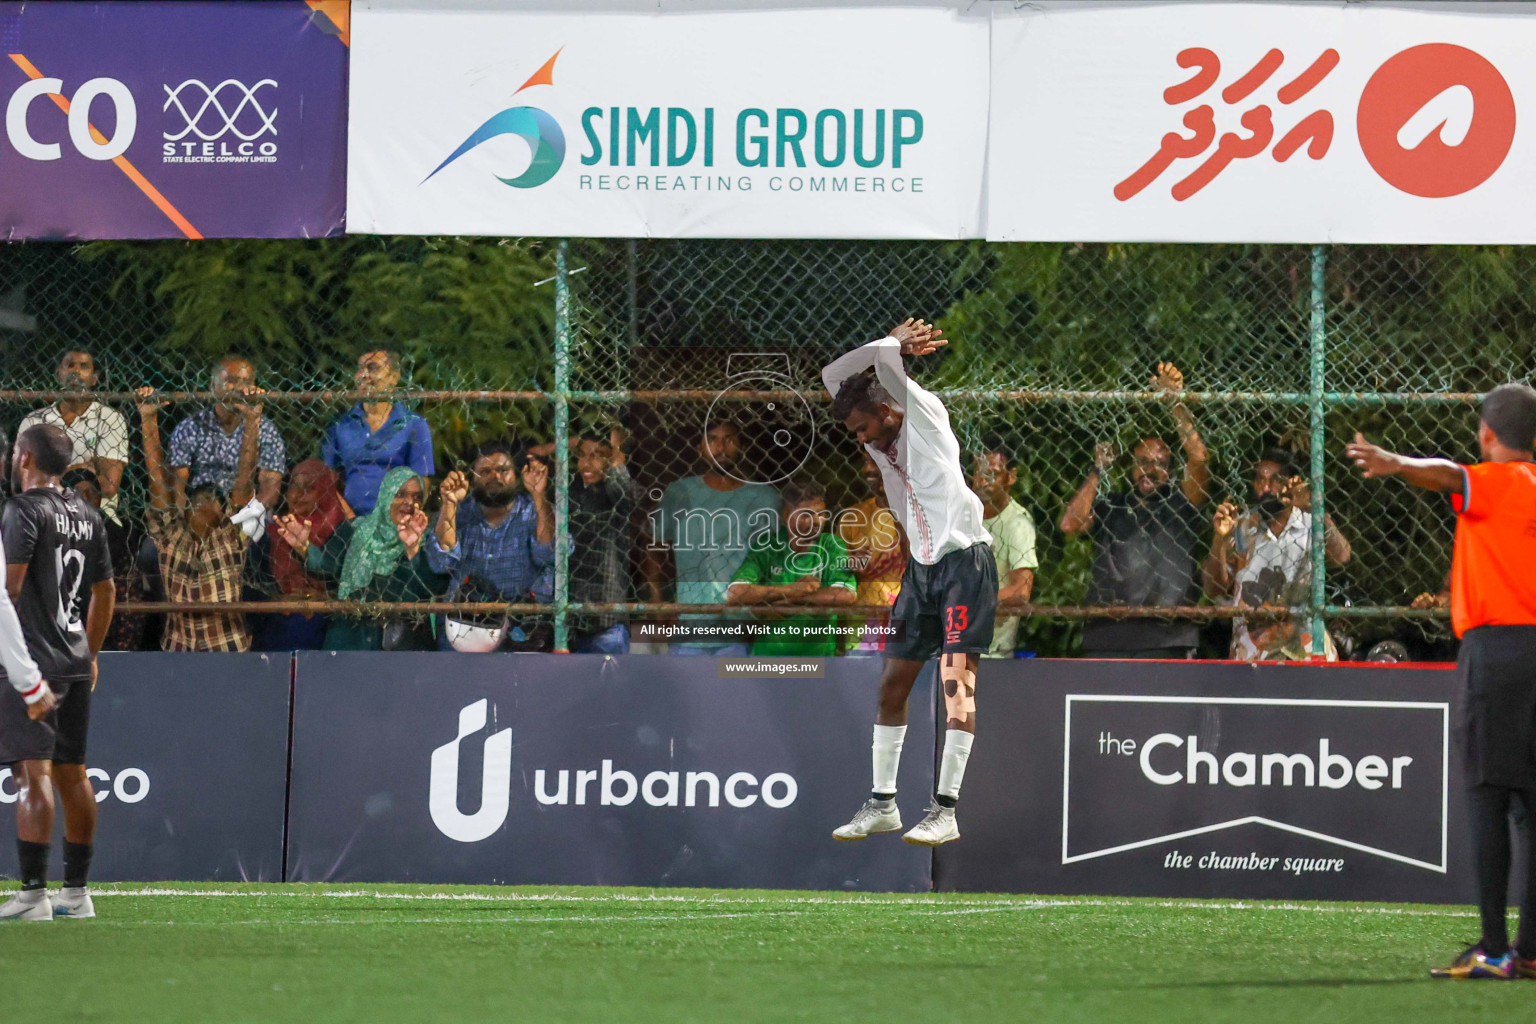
391	355
77	352
863	392
210	490
801	490
49	447
1281	457
495	446
1510	412
997	446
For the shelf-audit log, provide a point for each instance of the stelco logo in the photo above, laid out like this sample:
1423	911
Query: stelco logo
228	108
1368	776
682	144
614	787
129	786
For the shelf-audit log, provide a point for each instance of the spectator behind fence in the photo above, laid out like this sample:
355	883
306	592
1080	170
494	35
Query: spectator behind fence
707	521
799	562
1262	558
377	557
202	554
311	497
1012	530
99	434
601	507
1145	540
377	434
496	545
876	550
205	447
130	631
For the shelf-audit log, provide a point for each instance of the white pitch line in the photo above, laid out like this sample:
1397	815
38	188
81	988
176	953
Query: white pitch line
940	904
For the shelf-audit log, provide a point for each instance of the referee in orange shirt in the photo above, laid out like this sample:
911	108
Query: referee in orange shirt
1493	610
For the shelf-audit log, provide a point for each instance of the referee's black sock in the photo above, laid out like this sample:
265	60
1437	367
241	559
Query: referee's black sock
77	863
32	858
1489	806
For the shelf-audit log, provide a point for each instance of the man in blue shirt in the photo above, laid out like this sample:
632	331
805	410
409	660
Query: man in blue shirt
376	435
501	538
205	447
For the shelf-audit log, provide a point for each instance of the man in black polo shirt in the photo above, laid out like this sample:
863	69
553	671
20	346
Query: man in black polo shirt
59	574
1145	539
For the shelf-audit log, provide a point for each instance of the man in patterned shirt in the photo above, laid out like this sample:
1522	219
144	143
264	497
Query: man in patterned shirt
202	553
98	434
205	447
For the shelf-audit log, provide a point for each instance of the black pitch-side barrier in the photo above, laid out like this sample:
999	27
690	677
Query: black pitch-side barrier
1118	778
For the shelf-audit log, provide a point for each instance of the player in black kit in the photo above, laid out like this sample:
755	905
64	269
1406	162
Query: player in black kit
59	574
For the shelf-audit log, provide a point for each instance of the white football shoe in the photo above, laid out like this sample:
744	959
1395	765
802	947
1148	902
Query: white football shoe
73	903
937	828
874	817
29	905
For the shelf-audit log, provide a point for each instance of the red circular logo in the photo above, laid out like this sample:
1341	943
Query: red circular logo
1436	120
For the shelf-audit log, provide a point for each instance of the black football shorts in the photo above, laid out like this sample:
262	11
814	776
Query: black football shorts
58	736
948	606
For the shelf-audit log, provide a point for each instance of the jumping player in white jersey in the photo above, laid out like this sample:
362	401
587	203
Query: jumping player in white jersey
948	595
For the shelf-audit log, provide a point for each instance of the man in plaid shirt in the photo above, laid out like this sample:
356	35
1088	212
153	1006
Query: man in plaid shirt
202	553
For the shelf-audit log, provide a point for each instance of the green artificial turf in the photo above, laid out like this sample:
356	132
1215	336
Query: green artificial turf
187	952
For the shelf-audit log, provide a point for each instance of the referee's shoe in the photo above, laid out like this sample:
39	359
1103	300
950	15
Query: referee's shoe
1474	964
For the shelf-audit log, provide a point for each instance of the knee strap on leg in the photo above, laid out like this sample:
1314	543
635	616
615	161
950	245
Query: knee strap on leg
959	684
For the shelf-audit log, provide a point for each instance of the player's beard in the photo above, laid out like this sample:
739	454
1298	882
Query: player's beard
499	497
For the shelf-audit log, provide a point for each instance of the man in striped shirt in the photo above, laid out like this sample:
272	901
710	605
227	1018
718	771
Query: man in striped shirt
948	597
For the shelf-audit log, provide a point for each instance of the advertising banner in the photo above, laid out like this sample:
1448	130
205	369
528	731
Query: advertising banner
1190	779
670	119
1262	122
553	769
173	120
188	756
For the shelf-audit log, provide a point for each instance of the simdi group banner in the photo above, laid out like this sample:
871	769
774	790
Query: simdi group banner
1262	122
668	119
173	120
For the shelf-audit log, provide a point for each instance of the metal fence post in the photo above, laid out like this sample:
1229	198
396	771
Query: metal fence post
1319	454
562	471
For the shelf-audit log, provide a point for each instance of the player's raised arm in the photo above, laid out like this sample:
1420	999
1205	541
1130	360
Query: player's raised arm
1430	474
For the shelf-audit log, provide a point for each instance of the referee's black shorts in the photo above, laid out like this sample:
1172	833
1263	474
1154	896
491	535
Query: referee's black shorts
949	606
59	736
1496	719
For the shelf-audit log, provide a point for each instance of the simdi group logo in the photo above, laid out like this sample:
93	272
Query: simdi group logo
707	149
605	786
1370	777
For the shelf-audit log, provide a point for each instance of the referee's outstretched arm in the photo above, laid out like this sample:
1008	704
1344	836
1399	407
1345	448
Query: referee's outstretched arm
1430	474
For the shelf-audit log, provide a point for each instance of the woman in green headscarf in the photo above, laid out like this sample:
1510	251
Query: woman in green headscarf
377	557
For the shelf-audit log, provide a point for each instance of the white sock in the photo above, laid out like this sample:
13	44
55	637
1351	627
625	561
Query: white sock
887	751
957	751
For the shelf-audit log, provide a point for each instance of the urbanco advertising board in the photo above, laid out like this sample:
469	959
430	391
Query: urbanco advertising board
1214	779
1262	122
575	769
188	757
173	120
681	120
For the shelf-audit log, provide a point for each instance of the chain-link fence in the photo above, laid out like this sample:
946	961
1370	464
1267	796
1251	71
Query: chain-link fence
1167	417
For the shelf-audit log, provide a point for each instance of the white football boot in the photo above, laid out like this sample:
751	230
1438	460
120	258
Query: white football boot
30	905
937	828
874	817
73	903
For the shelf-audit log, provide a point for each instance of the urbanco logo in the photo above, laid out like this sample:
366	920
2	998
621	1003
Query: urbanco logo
533	125
495	782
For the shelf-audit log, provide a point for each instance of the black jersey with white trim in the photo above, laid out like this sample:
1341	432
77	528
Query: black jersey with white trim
61	541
